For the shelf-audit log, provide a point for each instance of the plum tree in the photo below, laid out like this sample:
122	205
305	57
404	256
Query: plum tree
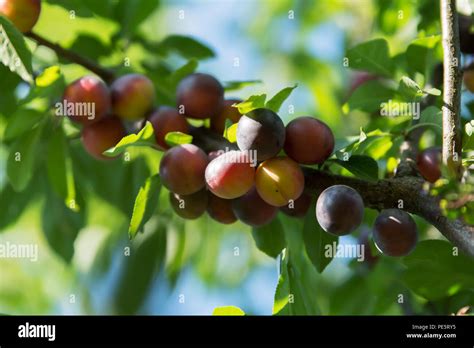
395	232
230	175
87	100
263	131
429	164
227	112
308	140
102	135
201	95
339	210
221	210
22	13
299	207
182	169
279	180
189	206
133	96
468	78
167	119
252	210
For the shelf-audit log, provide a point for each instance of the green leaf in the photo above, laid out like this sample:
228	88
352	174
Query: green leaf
421	53
369	97
468	139
252	103
270	238
131	14
145	204
430	117
236	85
21	121
278	99
409	89
144	138
316	240
228	310
230	133
435	269
59	168
178	138
21	160
183	71
363	167
13	50
372	56
186	46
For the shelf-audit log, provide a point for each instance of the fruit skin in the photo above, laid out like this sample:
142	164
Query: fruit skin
189	206
182	169
299	207
339	210
167	119
429	164
22	13
201	95
252	210
263	131
91	90
227	112
220	210
279	180
308	140
230	175
102	135
468	78
133	96
395	232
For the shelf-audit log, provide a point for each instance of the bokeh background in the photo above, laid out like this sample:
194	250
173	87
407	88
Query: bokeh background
193	267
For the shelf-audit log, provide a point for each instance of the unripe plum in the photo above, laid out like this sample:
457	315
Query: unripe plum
165	120
86	100
429	164
102	135
299	207
308	140
227	112
189	206
133	96
221	210
201	95
182	169
468	78
395	232
279	180
230	175
252	210
339	210
22	13
263	131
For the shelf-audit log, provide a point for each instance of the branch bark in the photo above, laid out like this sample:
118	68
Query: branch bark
452	142
106	74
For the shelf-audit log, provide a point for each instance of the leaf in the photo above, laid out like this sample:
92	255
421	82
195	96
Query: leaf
409	89
278	99
21	160
145	204
230	133
228	311
185	70
270	238
369	97
468	139
186	46
131	14
252	103
236	85
316	240
435	271
178	138
421	53
21	121
144	138
13	50
371	56
363	167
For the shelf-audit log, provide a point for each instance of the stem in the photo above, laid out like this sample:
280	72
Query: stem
452	142
106	74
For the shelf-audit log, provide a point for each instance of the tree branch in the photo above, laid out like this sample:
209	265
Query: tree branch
452	142
106	74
